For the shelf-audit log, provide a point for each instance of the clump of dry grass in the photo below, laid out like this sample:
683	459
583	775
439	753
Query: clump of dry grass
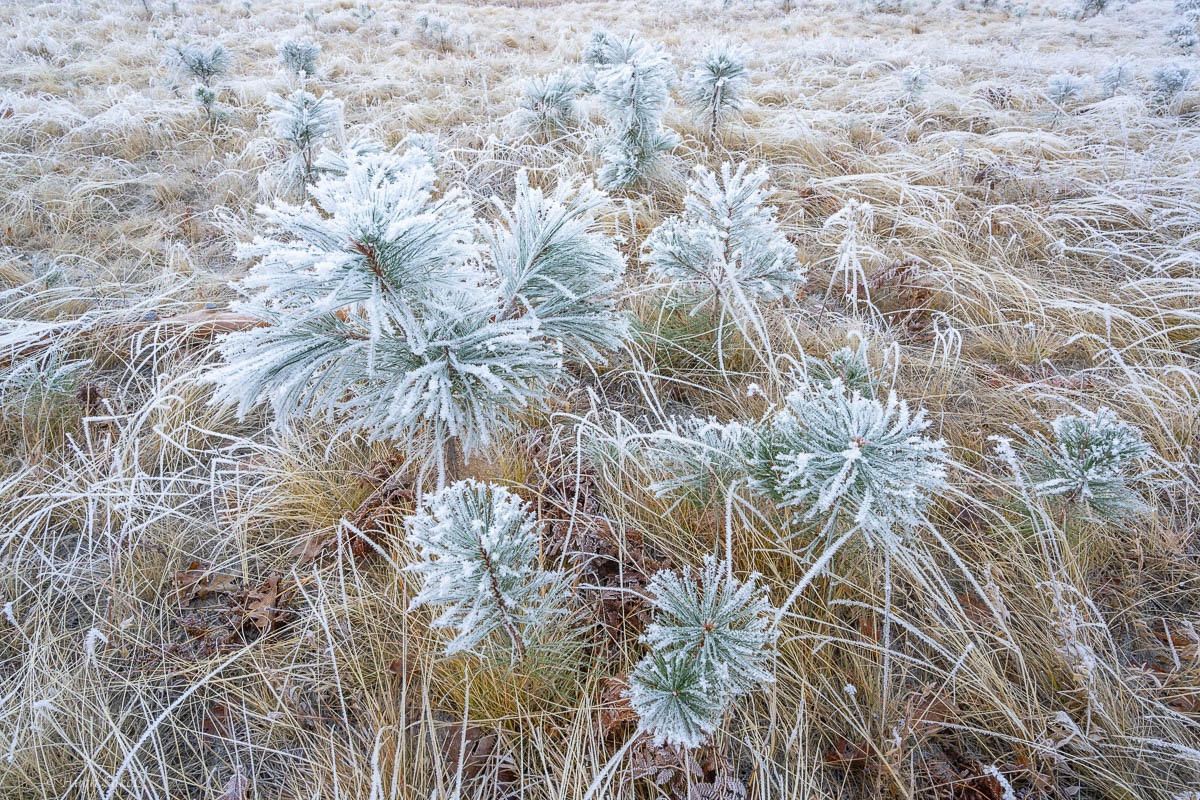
197	606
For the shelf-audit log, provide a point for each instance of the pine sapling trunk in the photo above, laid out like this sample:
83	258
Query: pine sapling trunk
506	619
451	461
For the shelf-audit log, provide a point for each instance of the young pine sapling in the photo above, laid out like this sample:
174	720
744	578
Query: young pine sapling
634	95
714	88
478	557
726	250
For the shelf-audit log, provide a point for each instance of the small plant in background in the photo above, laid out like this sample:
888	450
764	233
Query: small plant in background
548	107
304	121
914	79
1115	78
714	88
835	454
1063	90
1167	85
711	641
847	366
634	95
1088	463
726	248
1091	8
299	58
478	556
1183	36
435	32
204	64
363	12
206	98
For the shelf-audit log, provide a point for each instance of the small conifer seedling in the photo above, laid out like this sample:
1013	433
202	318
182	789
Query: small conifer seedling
714	88
726	249
1089	463
477	550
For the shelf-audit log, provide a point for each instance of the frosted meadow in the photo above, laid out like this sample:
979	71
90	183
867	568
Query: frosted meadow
704	400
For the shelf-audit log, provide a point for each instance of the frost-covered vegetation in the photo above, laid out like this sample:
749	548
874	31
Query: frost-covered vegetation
712	400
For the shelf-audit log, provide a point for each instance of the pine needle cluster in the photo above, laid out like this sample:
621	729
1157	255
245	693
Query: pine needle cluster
711	642
477	555
726	249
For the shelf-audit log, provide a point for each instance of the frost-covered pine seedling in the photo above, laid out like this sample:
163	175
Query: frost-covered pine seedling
634	95
556	267
605	50
477	550
1168	83
299	57
848	366
204	64
1183	36
304	121
1063	89
435	32
913	81
714	88
206	97
1090	8
831	454
727	246
1089	461
1115	78
711	642
673	702
548	108
385	315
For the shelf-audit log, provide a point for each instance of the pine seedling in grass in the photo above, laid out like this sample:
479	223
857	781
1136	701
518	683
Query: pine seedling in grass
726	249
847	366
1167	85
603	50
634	96
834	454
204	64
435	32
303	121
548	108
914	79
714	88
1183	36
556	266
299	58
673	701
477	551
1063	90
1115	78
206	97
711	642
384	314
1088	463
606	50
